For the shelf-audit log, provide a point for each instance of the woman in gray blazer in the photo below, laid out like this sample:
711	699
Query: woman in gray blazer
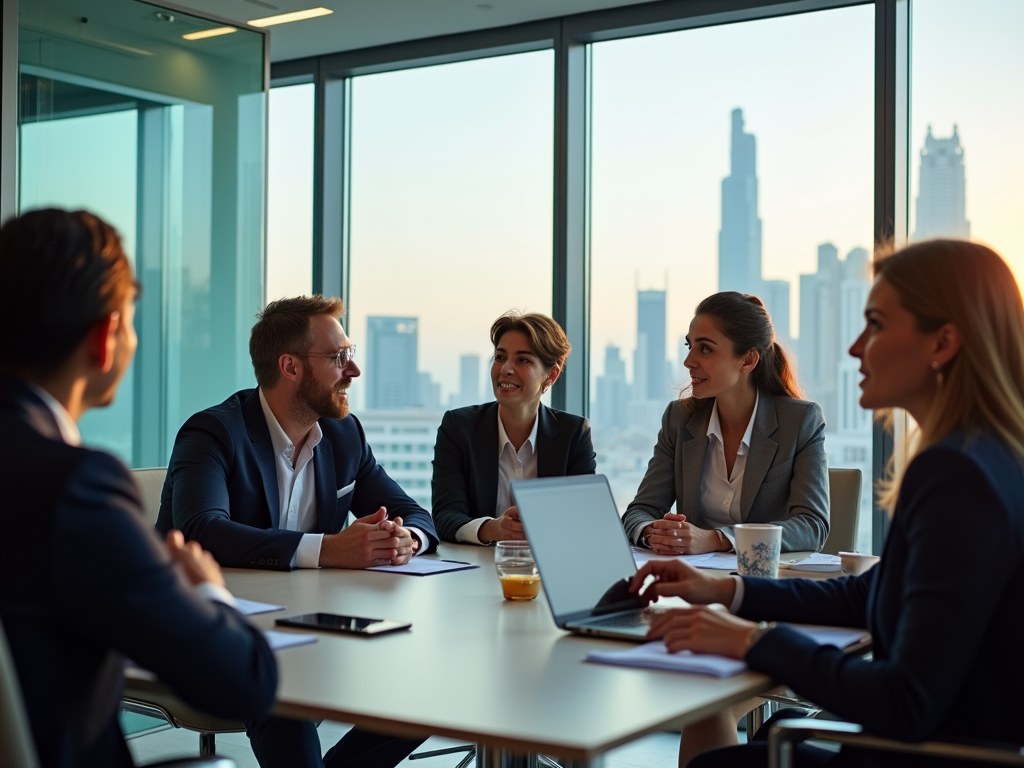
741	448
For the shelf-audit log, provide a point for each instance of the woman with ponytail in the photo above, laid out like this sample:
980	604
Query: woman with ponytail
739	447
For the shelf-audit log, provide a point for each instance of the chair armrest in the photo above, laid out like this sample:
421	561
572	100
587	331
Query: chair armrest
785	733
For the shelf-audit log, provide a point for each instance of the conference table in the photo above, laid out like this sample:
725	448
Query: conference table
473	666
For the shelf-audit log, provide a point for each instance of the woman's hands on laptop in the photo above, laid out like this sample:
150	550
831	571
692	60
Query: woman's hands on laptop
673	578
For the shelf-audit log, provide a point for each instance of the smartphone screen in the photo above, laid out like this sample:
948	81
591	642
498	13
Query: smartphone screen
334	622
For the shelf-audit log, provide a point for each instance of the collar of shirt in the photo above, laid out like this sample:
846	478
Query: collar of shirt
68	429
531	441
715	426
283	446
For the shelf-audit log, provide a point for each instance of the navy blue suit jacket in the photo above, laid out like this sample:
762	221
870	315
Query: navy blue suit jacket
465	482
221	487
945	608
84	582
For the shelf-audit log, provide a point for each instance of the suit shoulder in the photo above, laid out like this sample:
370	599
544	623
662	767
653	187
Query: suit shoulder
797	409
571	419
344	432
469	413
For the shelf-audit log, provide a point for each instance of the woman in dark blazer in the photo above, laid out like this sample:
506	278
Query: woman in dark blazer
945	341
481	449
741	448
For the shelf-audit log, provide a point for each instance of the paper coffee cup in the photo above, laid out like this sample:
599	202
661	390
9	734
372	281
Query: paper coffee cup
757	549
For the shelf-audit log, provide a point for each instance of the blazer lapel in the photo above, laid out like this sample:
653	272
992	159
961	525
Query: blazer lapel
761	453
326	487
485	443
552	456
263	449
693	451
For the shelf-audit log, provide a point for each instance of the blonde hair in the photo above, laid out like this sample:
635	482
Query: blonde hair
971	287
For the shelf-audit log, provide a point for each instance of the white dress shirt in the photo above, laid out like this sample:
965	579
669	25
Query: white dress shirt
69	434
296	487
512	465
720	491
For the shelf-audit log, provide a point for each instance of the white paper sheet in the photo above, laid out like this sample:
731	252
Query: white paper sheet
281	640
251	607
656	656
816	563
720	561
422	566
643	556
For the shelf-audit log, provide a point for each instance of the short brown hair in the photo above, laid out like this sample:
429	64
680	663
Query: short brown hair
282	328
546	336
63	271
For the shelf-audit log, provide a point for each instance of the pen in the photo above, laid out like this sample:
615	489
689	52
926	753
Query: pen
457	562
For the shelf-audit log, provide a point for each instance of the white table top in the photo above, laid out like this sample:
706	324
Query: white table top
473	667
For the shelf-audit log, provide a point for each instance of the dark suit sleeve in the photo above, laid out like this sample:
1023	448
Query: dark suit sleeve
376	489
948	596
117	588
582	458
201	507
449	484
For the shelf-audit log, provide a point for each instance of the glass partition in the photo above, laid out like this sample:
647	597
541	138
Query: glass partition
735	157
128	110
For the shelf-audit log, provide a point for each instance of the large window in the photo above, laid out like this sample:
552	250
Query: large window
108	122
451	227
735	157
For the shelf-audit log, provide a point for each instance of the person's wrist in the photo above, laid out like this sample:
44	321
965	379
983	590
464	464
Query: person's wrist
755	634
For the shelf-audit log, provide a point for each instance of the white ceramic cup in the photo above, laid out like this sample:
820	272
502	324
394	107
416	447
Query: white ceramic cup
757	549
856	563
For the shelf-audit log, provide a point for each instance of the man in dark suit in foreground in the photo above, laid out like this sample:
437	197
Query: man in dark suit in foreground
84	582
267	478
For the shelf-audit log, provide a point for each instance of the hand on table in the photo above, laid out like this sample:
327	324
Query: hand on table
366	543
672	535
703	630
195	562
405	537
508	527
673	578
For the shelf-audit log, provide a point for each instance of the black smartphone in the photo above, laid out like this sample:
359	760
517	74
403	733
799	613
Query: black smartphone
333	622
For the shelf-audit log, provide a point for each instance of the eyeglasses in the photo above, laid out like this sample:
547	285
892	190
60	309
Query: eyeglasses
342	356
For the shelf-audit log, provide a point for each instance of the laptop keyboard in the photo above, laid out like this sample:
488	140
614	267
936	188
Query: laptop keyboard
638	619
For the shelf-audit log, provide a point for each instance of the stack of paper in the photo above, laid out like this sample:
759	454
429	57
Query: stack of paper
816	563
424	566
656	656
280	640
643	556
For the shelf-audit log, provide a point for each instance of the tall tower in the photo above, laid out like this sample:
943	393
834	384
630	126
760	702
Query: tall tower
941	206
650	361
469	379
739	242
392	363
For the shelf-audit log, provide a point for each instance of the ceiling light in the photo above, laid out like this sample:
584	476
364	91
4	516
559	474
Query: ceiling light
216	32
284	18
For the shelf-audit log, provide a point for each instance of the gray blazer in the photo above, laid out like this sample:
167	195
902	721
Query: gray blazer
785	482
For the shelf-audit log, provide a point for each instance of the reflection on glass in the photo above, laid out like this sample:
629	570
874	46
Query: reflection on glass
714	170
290	191
164	138
451	227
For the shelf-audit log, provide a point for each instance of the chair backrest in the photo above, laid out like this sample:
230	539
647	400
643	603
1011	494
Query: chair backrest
151	483
843	510
16	747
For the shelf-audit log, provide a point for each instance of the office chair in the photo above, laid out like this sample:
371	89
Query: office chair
785	733
843	510
16	747
470	757
165	706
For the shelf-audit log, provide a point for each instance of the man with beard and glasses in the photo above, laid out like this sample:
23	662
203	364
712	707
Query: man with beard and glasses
267	478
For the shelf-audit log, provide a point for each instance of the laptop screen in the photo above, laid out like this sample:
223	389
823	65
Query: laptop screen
578	542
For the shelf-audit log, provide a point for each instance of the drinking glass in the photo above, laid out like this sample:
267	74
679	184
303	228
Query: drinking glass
517	570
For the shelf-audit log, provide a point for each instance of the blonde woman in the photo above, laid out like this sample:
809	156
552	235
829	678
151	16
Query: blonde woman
944	340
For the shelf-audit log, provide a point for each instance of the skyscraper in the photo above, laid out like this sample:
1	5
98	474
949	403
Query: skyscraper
469	379
612	391
649	380
739	241
941	202
392	363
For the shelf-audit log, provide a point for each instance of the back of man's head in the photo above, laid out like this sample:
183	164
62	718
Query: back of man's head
61	272
283	328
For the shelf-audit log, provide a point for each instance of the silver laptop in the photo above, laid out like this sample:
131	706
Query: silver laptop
584	558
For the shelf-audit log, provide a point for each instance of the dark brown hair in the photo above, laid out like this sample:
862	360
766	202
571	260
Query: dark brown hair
546	336
283	328
743	320
61	272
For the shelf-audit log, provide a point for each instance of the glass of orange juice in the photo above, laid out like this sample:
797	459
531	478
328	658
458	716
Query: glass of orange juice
517	570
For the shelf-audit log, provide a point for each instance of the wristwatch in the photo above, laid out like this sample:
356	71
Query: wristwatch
763	628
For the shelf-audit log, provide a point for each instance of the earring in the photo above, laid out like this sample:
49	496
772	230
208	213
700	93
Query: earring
939	378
